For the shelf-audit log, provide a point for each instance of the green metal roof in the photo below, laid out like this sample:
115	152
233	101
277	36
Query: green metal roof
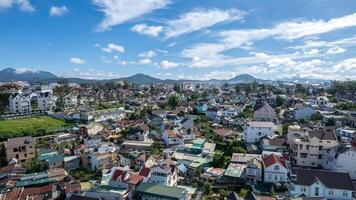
161	191
42	181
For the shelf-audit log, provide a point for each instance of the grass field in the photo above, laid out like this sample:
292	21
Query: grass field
33	126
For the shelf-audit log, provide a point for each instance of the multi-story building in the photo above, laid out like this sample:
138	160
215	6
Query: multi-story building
255	130
275	169
99	160
308	146
20	148
46	101
164	174
22	102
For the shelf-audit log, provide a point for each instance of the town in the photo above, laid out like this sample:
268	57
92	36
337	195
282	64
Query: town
180	140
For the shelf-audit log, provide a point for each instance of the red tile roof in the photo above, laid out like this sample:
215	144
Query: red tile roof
272	159
144	171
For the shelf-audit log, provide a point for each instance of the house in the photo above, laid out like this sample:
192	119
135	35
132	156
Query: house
171	137
212	174
22	102
99	160
140	133
70	101
103	115
11	88
213	113
93	141
303	113
252	166
278	144
106	192
345	132
264	113
164	174
156	120
51	158
308	146
275	169
71	162
150	191
46	101
320	183
341	159
64	137
20	148
201	107
256	130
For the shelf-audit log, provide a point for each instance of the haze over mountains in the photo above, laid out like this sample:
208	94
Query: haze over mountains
10	74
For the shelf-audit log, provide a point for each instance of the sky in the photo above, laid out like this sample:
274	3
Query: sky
180	39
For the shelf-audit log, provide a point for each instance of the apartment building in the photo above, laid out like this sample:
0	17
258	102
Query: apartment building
308	146
20	148
256	130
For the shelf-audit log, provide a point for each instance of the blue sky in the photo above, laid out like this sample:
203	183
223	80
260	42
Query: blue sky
199	39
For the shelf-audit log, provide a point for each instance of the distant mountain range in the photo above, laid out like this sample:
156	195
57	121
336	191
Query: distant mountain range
10	74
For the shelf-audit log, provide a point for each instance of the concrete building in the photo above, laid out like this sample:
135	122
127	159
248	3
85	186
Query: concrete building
20	148
264	113
255	130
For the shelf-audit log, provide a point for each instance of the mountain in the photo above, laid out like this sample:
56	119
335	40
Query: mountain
141	79
244	78
10	74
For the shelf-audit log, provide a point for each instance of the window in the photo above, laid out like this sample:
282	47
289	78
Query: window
303	155
300	146
307	147
320	156
345	194
316	191
331	192
303	189
276	168
320	148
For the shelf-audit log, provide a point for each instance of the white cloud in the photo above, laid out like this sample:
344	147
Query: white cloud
335	50
311	52
77	61
148	54
58	11
165	64
210	54
120	11
200	19
144	29
145	61
113	47
24	70
24	5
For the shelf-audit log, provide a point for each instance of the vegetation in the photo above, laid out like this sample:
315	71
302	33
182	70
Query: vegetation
247	112
61	91
346	106
157	148
173	101
342	87
84	175
243	192
31	126
36	166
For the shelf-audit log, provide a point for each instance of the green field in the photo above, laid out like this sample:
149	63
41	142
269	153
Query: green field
31	126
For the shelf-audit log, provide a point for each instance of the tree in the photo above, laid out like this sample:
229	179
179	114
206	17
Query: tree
238	149
36	166
330	122
279	101
243	192
61	91
316	116
173	101
237	89
157	148
207	188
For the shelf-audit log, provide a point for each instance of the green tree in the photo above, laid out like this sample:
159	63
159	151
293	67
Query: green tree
243	192
36	166
173	101
279	101
207	188
61	91
316	116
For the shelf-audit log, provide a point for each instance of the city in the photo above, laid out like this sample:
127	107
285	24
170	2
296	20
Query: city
222	103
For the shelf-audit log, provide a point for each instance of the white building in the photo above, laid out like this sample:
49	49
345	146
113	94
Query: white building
255	130
46	101
21	102
275	169
163	174
320	183
99	160
172	137
341	159
265	113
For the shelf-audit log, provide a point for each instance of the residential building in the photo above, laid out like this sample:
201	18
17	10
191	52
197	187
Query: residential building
20	148
255	130
320	183
341	159
164	174
275	169
303	113
46	101
99	160
151	191
264	113
22	102
308	146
